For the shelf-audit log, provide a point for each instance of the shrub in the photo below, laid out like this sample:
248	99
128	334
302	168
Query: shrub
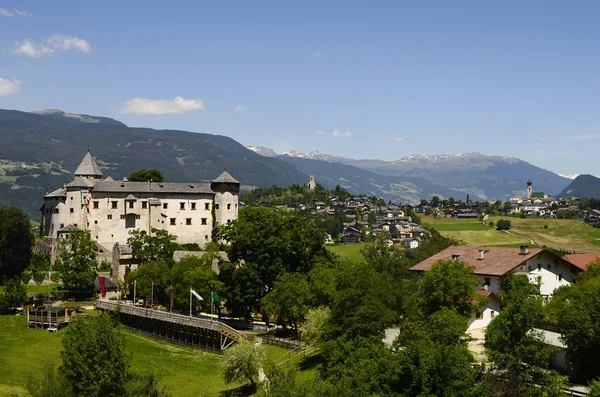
26	276
55	277
39	277
545	226
491	224
503	224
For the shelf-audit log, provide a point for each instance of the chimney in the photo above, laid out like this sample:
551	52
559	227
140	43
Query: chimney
524	250
150	182
481	255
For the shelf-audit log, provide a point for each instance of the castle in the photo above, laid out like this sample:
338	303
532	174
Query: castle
110	209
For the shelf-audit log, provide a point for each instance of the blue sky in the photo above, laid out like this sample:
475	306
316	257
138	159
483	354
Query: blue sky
352	78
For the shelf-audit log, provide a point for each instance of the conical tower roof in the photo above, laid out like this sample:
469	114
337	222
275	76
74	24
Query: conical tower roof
88	167
225	178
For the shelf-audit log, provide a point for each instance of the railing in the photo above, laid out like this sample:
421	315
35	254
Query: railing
282	342
175	318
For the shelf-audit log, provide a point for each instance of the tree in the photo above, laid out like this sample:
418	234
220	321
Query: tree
289	298
449	284
503	224
518	352
14	296
154	247
197	274
16	240
78	260
146	275
242	361
144	175
94	360
271	242
314	328
435	201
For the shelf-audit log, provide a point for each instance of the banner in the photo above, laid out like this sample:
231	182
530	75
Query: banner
196	295
101	281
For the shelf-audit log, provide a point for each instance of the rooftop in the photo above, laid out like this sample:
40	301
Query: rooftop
225	178
88	167
581	260
154	187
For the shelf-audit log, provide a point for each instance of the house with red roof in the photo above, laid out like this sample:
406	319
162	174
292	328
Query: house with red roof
581	260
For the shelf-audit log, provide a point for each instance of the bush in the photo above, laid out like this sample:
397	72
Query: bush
105	266
26	276
39	277
503	224
545	226
491	224
55	277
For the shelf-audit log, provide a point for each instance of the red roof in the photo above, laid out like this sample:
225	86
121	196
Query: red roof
496	261
581	260
490	293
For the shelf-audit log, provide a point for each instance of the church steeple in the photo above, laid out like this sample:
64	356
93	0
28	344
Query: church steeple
88	168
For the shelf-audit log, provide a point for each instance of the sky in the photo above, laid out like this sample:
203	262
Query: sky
360	79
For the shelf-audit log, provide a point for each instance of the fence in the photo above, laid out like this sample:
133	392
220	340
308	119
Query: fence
282	342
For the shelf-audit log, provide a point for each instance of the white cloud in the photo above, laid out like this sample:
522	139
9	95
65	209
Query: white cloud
67	43
161	106
55	42
32	49
320	132
10	86
399	139
6	13
341	134
23	13
240	108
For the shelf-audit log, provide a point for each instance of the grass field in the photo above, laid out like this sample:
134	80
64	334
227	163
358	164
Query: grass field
37	289
350	252
185	371
565	234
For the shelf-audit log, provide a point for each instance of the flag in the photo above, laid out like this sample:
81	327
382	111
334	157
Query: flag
196	295
101	281
171	298
215	298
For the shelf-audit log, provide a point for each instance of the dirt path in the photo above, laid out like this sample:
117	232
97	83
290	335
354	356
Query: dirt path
520	236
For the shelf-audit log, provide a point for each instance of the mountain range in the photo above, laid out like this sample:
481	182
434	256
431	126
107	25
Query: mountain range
583	186
40	150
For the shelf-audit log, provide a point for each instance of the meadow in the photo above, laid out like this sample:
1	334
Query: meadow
349	252
184	370
564	234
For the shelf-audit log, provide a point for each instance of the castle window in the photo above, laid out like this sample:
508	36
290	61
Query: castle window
206	237
131	203
560	277
207	206
71	197
228	220
113	205
137	217
109	217
188	221
172	222
539	267
181	206
71	210
75	224
95	222
204	221
487	281
56	210
96	205
236	206
492	314
216	206
228	206
144	204
193	206
62	225
165	205
122	216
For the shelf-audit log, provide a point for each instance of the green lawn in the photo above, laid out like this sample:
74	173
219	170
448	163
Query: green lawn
566	234
36	289
185	371
347	251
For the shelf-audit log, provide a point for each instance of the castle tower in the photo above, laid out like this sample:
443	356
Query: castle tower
226	190
529	189
311	183
88	168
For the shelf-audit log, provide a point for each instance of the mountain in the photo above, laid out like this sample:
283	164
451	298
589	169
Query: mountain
41	150
263	151
487	177
584	186
361	181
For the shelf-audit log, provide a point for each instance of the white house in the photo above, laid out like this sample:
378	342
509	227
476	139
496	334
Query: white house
493	265
483	317
411	243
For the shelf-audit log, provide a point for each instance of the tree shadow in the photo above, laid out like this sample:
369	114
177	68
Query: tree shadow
311	362
242	391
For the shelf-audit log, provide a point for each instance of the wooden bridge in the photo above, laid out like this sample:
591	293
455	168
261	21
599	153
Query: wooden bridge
194	331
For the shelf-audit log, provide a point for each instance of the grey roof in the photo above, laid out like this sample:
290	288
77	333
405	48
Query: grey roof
88	166
130	197
68	228
109	179
80	182
225	178
155	187
58	193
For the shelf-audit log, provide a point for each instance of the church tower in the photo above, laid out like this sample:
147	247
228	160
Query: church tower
311	183
529	189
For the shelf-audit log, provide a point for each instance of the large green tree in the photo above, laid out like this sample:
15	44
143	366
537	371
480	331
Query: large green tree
270	242
242	362
16	240
94	359
146	275
14	295
144	175
197	274
156	246
289	298
517	351
450	284
78	260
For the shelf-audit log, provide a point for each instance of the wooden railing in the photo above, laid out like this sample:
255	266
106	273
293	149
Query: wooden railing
214	325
